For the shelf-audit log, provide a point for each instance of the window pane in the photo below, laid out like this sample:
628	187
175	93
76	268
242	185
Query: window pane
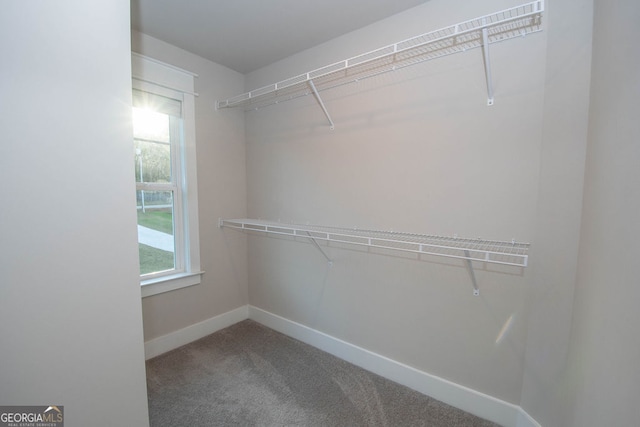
153	161
155	231
157	128
150	124
152	145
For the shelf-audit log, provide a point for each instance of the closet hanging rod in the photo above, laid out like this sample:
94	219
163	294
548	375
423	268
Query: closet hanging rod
491	251
503	25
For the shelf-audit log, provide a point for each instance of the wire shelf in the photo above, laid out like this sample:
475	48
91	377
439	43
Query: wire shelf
499	26
491	251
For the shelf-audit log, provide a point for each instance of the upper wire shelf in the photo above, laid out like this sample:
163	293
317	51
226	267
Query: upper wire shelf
478	32
491	251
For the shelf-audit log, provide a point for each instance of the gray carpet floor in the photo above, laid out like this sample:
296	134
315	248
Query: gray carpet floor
250	375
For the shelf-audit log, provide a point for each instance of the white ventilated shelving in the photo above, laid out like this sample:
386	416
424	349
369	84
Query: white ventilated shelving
479	32
490	251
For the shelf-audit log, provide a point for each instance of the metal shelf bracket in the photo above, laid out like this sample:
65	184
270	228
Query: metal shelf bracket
487	65
319	99
476	290
324	254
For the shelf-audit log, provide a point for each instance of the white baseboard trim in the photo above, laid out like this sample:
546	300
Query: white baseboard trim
469	400
173	340
526	420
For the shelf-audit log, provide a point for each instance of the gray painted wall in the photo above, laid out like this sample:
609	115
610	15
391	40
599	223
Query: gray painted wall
414	151
419	151
554	254
604	379
70	316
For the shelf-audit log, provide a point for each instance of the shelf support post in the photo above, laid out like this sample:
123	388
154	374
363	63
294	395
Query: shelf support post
476	291
320	249
487	65
317	95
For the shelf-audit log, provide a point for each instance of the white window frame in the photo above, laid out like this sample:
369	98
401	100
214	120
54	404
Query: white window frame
159	78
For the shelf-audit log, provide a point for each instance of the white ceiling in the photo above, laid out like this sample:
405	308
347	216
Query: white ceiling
245	35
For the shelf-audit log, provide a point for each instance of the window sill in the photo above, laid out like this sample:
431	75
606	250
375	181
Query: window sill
159	285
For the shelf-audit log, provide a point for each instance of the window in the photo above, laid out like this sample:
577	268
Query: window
164	158
157	136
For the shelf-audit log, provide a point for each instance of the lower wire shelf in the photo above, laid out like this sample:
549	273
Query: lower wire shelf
490	251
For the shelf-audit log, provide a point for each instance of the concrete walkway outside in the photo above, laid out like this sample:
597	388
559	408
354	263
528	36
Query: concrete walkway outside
155	239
